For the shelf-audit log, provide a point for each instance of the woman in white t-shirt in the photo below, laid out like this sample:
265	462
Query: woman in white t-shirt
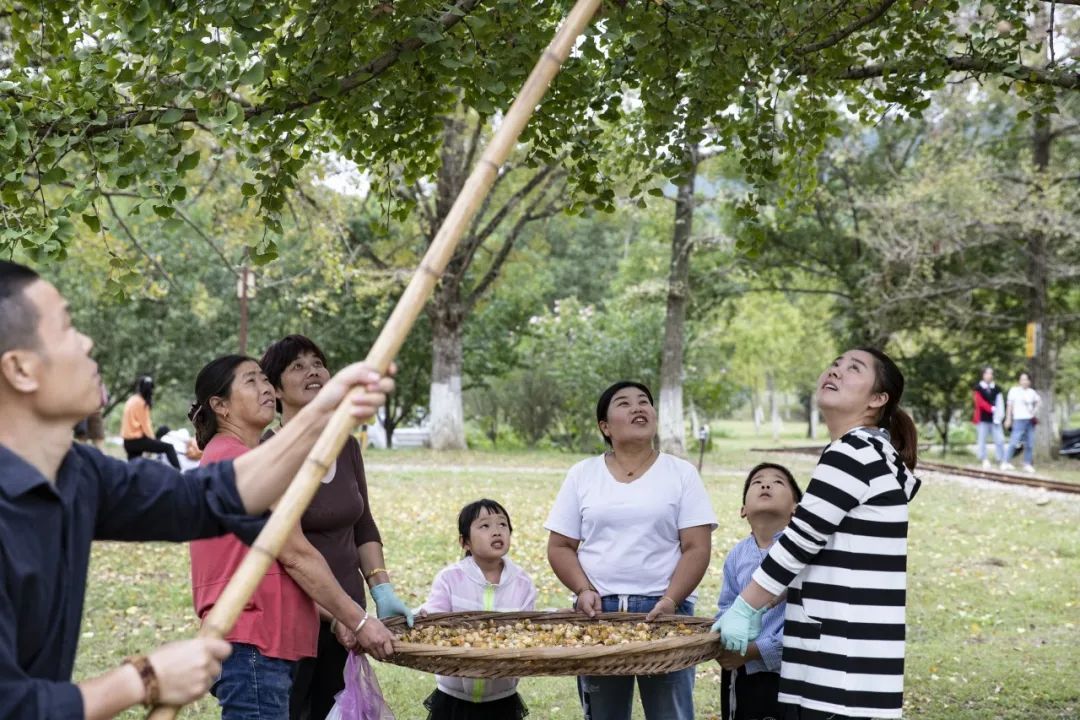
631	530
1022	411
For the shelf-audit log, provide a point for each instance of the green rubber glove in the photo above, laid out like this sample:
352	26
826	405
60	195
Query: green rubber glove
388	604
739	626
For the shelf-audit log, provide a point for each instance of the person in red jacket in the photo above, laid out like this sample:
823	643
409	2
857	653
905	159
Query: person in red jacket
988	415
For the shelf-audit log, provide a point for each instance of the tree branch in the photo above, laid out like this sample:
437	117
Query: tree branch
845	32
524	219
140	248
464	256
971	64
362	76
365	249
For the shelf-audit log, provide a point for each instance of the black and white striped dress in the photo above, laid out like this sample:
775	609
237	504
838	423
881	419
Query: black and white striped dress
843	561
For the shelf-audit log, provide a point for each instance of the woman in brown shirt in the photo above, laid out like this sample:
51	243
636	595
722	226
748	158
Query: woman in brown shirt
339	523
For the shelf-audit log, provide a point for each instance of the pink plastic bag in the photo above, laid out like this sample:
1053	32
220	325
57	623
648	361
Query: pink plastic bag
361	699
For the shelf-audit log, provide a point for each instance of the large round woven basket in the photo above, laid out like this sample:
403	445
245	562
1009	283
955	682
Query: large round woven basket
635	658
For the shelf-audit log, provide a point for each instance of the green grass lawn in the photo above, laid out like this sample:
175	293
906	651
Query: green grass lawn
994	586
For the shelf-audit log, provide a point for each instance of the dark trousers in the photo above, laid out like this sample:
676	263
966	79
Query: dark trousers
794	712
317	680
137	446
754	695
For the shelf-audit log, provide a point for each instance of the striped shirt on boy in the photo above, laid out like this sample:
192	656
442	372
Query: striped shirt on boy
843	562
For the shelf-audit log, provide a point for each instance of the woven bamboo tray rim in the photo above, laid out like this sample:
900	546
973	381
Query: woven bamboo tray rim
695	644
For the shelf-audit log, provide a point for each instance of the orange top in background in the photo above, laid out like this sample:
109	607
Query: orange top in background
136	421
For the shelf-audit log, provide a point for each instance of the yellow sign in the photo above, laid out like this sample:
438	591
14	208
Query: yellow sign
1032	345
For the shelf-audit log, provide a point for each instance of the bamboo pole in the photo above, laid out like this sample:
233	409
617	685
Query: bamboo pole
297	497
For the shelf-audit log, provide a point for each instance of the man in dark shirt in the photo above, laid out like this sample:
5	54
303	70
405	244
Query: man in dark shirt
56	498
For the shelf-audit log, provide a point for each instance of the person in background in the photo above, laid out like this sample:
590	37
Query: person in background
136	428
1022	413
338	523
187	449
988	415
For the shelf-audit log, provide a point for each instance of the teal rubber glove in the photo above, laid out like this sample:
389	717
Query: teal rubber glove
739	626
388	604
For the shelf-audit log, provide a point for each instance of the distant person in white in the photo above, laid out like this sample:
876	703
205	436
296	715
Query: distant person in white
1022	412
181	441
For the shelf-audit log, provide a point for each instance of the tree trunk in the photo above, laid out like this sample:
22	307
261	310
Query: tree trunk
756	412
813	416
774	407
945	433
1041	366
671	364
389	425
446	405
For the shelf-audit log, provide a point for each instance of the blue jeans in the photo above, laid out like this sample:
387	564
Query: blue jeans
1023	431
253	686
982	429
669	696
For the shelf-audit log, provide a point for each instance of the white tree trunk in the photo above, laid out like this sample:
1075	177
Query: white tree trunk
815	416
671	420
695	423
672	432
757	413
447	407
774	408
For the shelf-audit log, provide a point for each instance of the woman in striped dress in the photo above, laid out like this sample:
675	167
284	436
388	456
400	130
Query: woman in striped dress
843	558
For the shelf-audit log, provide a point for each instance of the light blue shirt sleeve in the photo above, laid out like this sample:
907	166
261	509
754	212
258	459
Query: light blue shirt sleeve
729	590
770	643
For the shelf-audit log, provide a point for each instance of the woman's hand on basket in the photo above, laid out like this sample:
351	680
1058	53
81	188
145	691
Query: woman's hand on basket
663	606
588	602
375	639
344	635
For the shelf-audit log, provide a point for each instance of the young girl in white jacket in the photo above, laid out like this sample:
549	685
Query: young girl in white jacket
484	580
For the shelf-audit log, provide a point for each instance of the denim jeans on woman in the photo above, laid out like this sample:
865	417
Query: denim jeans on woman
669	696
253	686
1023	431
982	430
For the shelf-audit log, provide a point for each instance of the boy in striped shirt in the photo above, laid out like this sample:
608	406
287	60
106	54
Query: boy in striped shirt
751	682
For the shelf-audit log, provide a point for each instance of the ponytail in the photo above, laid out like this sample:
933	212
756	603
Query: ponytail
902	431
205	422
904	437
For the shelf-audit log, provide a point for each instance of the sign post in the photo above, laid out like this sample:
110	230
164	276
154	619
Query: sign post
1033	339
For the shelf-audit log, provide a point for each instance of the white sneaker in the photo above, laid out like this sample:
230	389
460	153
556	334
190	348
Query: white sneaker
1029	468
986	464
1007	466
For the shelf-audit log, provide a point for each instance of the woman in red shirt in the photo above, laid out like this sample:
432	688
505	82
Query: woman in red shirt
279	625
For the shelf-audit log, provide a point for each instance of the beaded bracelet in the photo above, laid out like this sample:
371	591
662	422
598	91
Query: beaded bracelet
149	678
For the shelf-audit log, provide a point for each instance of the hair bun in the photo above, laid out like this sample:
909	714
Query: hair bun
194	411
